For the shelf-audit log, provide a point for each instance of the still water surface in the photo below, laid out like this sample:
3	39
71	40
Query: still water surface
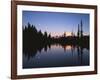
57	56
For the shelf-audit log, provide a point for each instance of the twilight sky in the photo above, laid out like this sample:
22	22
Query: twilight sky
56	23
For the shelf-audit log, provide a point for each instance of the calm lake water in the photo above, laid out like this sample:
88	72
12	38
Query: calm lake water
57	56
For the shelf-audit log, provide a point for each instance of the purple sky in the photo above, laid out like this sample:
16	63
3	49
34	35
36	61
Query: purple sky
56	23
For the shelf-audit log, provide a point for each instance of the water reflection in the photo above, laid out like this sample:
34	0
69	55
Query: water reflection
80	53
56	55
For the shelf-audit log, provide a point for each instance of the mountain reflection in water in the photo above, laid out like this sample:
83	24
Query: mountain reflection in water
56	55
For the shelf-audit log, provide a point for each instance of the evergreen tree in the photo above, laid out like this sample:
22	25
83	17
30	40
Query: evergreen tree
78	32
81	29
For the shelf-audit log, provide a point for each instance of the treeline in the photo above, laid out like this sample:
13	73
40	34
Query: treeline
32	38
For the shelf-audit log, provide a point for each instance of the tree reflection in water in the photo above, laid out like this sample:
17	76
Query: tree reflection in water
32	52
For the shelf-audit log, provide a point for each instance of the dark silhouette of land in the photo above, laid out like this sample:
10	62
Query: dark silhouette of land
34	40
